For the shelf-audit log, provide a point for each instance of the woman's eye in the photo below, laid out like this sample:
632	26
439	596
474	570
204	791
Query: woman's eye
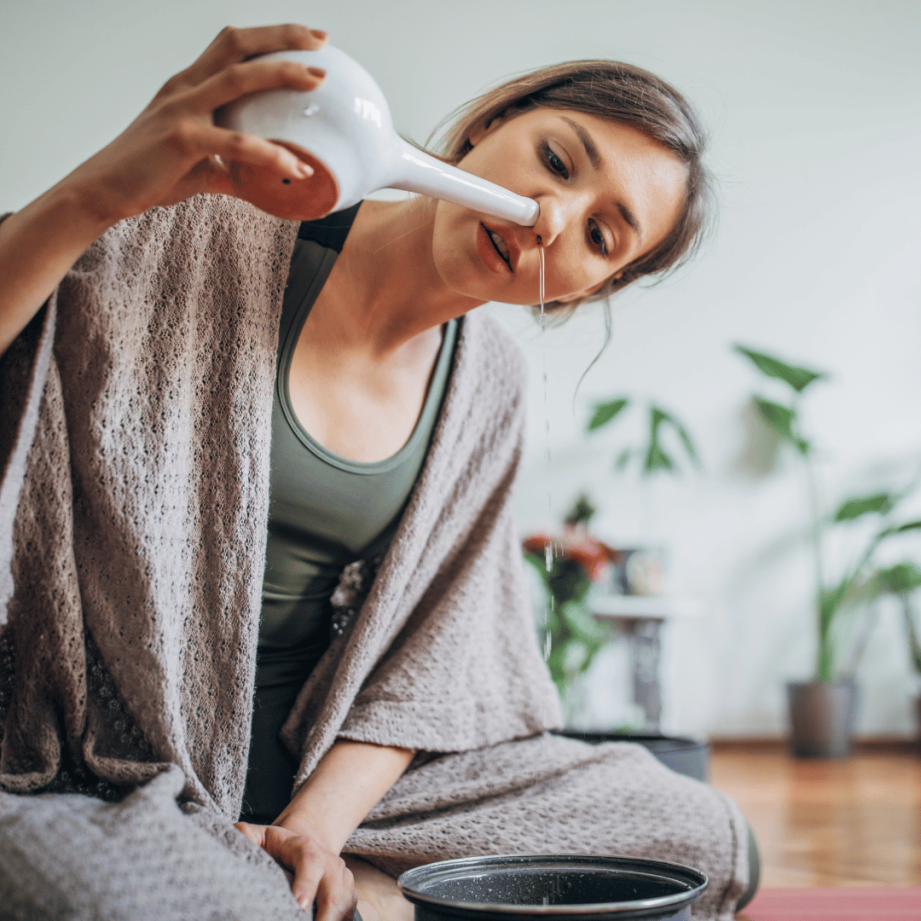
554	162
598	238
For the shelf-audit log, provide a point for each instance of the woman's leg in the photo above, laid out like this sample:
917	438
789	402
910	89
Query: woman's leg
550	794
378	896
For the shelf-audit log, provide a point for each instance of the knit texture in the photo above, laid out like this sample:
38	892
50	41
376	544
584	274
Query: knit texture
135	459
75	857
553	795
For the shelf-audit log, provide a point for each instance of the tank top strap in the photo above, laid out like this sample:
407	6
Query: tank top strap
330	231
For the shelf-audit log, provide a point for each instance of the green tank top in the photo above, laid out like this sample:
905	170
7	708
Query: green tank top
325	512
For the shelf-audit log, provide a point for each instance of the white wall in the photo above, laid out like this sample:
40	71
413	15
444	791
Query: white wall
815	111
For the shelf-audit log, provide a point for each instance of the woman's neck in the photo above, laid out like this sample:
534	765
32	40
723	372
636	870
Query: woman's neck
384	292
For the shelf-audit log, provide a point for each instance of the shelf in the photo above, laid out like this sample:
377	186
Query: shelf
604	606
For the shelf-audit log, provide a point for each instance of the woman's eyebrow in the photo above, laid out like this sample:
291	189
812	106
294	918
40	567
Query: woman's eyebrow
591	151
594	157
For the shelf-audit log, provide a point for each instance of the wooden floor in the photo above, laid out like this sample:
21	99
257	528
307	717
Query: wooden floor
854	822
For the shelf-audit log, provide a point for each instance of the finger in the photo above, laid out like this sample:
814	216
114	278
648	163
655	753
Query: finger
235	146
336	898
234	45
250	77
302	857
255	833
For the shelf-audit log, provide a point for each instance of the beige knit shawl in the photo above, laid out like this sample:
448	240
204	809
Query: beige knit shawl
134	444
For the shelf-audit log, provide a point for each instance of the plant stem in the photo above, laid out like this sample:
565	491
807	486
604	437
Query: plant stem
913	640
824	659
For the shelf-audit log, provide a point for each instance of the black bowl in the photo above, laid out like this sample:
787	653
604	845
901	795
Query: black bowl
551	888
683	755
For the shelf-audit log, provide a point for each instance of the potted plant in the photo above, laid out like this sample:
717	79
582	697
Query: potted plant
571	563
822	710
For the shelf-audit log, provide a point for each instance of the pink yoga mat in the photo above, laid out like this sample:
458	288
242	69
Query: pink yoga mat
841	904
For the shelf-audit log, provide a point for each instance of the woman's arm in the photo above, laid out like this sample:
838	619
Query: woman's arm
309	834
346	785
170	152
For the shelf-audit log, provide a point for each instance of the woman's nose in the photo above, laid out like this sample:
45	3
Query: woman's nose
551	221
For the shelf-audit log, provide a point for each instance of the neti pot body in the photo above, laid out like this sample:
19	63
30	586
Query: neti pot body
344	130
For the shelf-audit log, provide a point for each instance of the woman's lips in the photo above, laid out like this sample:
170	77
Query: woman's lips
491	254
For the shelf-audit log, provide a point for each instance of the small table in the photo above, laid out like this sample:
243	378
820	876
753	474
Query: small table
638	619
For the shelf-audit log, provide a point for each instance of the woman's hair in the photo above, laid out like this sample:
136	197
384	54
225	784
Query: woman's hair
623	93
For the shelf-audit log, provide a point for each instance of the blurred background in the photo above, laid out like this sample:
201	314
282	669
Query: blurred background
814	110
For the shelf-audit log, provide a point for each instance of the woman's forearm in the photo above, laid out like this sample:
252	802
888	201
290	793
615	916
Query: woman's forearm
38	245
343	789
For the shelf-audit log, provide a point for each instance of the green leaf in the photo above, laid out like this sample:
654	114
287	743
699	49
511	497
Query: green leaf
605	412
780	419
879	503
581	512
656	458
899	529
798	378
583	626
687	441
575	657
903	577
568	581
659	416
539	562
555	664
623	459
908	526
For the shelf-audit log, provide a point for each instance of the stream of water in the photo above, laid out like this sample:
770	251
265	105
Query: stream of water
548	550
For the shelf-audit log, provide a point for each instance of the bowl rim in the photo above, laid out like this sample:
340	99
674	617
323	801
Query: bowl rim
442	869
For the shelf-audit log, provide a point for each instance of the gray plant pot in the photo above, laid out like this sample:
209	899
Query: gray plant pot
822	717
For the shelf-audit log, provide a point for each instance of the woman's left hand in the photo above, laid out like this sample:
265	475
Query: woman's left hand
316	873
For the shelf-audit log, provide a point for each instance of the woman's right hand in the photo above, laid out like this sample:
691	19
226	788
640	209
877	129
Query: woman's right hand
173	149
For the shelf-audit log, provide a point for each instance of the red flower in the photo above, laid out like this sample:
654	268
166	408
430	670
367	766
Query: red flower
577	544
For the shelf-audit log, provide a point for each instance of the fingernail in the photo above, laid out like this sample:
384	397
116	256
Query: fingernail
303	170
304	902
316	71
320	34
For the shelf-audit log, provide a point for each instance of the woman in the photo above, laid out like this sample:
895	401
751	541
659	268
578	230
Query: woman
153	405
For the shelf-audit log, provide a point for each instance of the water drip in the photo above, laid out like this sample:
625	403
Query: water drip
548	550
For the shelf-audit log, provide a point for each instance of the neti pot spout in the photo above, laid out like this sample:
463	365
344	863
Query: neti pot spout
416	171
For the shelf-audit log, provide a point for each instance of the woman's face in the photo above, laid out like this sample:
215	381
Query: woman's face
607	193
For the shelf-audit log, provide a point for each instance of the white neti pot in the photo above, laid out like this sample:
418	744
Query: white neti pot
344	130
